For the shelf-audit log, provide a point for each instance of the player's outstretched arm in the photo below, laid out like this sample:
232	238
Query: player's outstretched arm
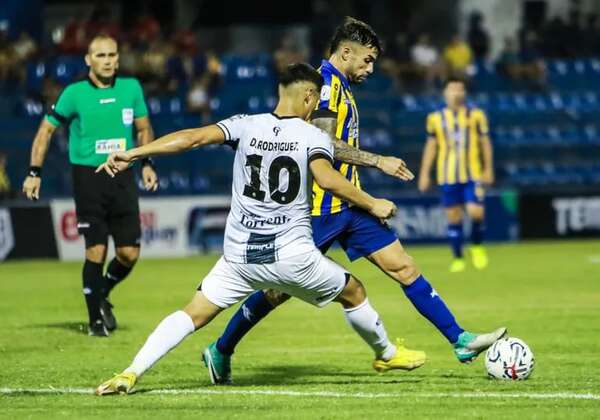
343	152
429	152
177	142
331	180
33	181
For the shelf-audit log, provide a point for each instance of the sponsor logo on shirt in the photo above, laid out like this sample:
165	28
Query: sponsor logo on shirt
106	146
325	93
127	114
107	101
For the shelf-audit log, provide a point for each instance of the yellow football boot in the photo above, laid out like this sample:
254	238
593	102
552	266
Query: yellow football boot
404	359
458	265
122	383
479	257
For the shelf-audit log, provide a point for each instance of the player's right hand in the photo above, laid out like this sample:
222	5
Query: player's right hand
116	162
31	187
394	166
383	209
424	183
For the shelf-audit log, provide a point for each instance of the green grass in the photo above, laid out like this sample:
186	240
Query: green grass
547	293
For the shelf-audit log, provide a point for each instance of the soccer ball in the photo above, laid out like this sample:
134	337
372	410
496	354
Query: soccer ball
509	359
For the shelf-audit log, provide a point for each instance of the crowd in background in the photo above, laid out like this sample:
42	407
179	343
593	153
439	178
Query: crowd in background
176	64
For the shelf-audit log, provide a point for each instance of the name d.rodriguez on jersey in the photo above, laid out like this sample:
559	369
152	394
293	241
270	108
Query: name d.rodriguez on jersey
268	146
254	223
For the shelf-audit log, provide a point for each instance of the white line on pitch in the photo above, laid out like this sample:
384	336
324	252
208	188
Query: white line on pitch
325	394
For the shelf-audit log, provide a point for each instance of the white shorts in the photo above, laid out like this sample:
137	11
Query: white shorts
311	277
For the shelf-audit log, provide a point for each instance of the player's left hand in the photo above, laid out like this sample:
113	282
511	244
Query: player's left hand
395	167
487	177
150	178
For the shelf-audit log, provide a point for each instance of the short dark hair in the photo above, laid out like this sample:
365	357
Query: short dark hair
355	30
454	79
300	72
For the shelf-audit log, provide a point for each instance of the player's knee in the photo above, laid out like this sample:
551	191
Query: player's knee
476	213
96	253
353	294
275	297
128	256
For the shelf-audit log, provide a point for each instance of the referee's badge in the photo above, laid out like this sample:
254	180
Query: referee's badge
127	114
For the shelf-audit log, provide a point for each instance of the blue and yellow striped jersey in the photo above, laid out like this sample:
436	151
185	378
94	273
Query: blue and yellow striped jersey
458	136
336	101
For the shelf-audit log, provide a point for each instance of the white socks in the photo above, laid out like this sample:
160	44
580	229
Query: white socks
365	321
167	335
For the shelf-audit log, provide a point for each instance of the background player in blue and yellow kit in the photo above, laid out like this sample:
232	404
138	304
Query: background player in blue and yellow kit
354	49
458	135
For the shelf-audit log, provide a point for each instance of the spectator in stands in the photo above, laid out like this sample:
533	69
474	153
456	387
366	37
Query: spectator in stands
526	65
397	61
591	35
427	61
458	57
5	189
146	30
532	64
130	59
187	63
154	66
554	35
479	40
24	48
573	33
202	86
74	41
289	51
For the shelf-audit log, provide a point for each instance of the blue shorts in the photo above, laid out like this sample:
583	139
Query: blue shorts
457	194
358	232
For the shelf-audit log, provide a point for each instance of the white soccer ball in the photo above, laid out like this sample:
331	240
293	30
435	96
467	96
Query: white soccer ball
509	359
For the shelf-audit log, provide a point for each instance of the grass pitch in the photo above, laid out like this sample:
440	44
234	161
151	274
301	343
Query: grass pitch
303	362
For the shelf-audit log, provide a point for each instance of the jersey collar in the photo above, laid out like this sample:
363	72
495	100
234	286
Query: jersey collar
326	64
95	86
286	117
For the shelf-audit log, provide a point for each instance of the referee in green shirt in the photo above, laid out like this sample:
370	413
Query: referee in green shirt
100	113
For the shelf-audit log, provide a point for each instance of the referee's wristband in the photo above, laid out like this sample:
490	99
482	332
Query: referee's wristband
148	162
35	171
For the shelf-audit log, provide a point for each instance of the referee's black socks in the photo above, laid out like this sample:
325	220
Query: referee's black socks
115	273
93	288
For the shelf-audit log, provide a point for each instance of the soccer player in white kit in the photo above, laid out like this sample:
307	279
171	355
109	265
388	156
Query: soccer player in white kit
268	238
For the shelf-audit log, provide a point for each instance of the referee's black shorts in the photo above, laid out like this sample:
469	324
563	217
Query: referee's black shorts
106	206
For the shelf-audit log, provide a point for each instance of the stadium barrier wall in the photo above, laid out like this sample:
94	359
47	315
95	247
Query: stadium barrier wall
422	219
568	214
171	227
183	226
26	232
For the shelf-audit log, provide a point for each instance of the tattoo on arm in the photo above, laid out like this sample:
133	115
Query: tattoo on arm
342	151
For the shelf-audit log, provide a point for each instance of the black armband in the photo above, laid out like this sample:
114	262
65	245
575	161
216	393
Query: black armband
35	171
147	162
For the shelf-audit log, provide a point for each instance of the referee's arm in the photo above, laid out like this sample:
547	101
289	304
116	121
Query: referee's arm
145	135
41	141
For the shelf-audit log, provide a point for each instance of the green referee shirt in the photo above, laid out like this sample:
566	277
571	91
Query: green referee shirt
100	120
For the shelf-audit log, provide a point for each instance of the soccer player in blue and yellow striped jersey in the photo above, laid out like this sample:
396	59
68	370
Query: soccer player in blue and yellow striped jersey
337	102
458	143
354	49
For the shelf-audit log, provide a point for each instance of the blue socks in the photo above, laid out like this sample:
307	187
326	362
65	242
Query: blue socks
455	236
432	307
255	308
477	232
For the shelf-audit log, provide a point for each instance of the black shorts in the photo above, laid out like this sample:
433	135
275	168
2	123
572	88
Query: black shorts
106	206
